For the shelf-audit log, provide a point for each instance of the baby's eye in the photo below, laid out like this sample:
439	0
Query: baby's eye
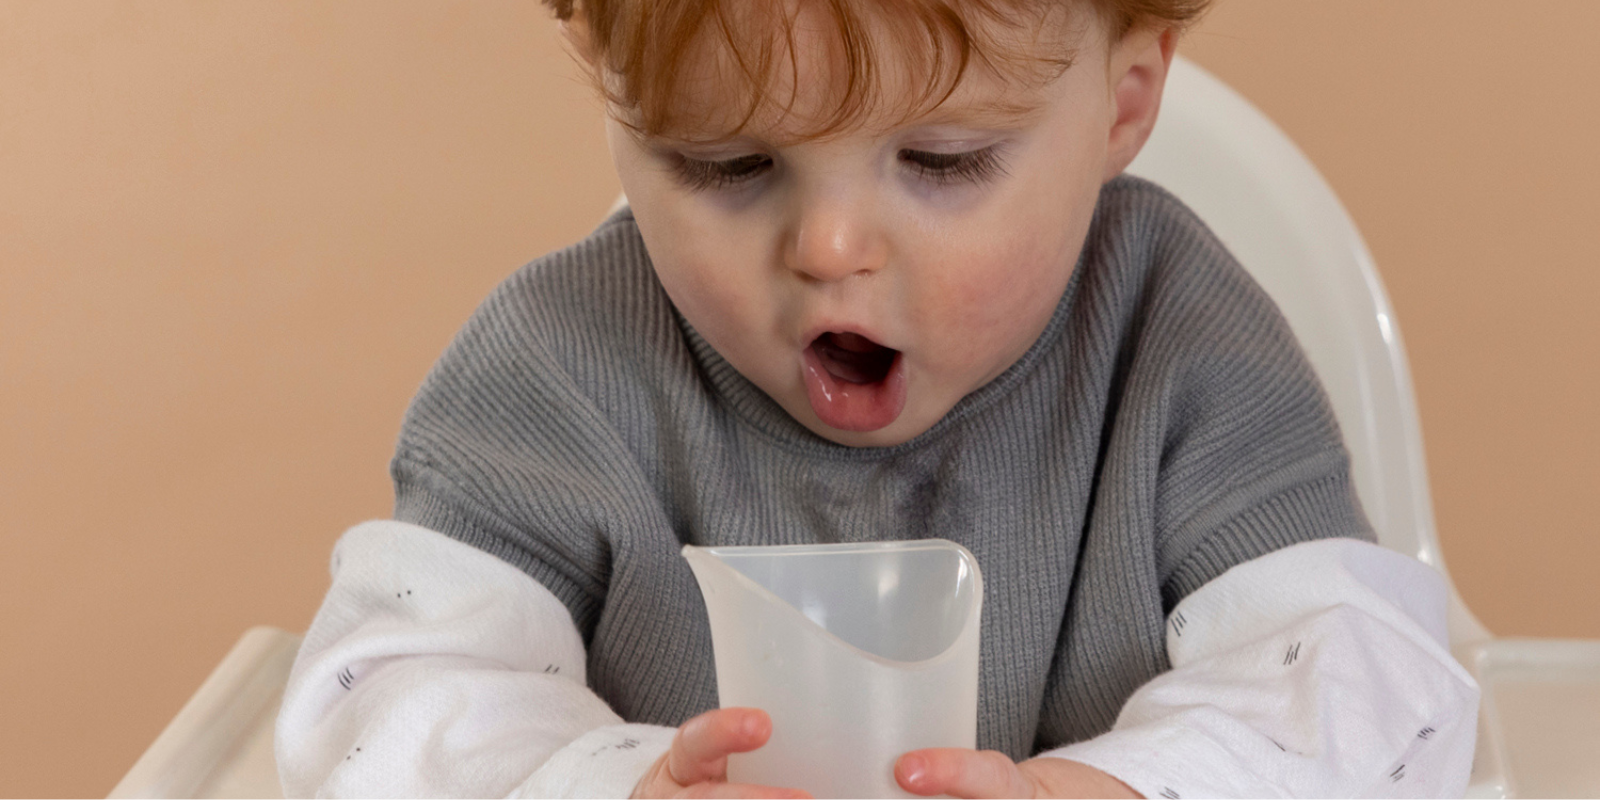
701	175
973	166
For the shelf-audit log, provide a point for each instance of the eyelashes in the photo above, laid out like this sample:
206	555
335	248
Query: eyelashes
702	175
939	169
943	169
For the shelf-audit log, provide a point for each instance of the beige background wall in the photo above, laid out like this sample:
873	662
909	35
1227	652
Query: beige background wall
233	237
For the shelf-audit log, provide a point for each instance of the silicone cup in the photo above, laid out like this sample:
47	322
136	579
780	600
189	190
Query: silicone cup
859	652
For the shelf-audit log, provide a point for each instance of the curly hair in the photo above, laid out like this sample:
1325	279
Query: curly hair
639	53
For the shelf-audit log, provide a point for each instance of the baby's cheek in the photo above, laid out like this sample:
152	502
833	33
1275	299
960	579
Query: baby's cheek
707	288
999	302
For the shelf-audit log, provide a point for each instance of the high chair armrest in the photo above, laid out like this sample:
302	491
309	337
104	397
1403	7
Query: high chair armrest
220	743
1539	724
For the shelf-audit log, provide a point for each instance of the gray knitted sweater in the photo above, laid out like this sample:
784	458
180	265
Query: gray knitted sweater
1164	427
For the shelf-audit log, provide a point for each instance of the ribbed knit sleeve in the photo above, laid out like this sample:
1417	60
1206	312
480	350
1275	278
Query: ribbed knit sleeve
1219	446
511	446
1251	455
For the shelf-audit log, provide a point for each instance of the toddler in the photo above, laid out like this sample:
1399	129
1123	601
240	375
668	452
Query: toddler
880	278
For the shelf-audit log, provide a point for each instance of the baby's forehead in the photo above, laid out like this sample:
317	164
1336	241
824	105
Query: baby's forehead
827	71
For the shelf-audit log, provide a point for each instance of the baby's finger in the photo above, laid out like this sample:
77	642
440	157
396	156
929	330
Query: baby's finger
739	790
700	750
961	773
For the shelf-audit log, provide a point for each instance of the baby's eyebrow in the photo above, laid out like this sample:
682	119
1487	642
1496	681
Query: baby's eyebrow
677	140
989	115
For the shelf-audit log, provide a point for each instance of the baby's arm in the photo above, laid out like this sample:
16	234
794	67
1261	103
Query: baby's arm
1322	669
436	669
1319	670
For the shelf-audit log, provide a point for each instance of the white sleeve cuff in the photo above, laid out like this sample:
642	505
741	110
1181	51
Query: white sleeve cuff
605	762
1318	670
432	669
1155	759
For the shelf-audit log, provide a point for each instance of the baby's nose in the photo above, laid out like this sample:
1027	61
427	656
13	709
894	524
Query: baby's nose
831	244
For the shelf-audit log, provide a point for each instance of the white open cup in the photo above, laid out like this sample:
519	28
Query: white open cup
859	652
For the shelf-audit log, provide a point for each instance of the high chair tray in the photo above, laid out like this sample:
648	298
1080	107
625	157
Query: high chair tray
1540	732
220	744
1539	726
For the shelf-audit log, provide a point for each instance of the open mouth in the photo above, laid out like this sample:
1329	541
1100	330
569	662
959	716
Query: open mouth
854	358
854	383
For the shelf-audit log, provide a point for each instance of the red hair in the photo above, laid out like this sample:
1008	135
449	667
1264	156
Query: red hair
639	52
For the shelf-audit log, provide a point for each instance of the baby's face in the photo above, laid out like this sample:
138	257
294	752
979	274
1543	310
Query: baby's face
869	281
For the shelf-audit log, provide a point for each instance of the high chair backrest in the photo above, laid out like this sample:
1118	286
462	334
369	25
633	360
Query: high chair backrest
1268	204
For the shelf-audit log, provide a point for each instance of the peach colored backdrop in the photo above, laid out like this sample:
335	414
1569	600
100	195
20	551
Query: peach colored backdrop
233	237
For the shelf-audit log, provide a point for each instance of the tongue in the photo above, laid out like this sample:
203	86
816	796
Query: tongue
853	383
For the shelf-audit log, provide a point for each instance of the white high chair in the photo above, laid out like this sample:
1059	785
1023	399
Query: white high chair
1539	729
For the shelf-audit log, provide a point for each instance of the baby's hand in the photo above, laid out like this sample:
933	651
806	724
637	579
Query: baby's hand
970	773
697	763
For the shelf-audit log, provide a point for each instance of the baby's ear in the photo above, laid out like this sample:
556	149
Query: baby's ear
1139	64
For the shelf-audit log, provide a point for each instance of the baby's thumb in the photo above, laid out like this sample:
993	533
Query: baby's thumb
700	750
